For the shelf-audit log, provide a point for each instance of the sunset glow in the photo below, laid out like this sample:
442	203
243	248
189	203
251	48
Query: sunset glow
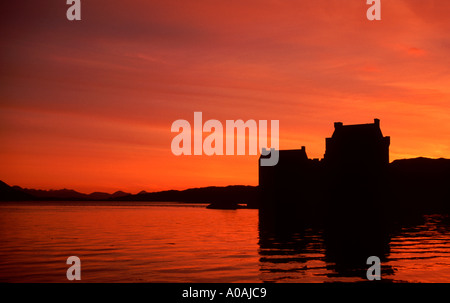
89	105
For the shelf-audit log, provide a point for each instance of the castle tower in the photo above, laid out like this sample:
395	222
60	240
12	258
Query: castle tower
357	147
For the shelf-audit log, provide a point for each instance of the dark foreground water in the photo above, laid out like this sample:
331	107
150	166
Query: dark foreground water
172	242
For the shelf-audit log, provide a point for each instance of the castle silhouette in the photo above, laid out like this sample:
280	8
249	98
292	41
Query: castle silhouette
353	176
353	197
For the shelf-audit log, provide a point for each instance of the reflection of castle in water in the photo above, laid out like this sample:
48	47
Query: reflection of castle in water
294	249
345	206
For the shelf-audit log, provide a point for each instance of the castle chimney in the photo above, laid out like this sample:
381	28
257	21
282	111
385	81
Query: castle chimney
337	124
376	122
303	148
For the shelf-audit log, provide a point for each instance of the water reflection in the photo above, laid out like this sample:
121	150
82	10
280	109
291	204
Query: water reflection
291	250
304	249
170	242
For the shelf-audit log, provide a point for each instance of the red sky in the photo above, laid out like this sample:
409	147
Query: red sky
88	105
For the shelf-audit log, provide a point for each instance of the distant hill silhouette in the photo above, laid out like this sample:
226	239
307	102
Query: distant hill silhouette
53	194
421	184
17	193
220	197
224	196
8	193
106	196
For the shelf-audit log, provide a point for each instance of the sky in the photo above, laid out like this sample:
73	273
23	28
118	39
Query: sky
89	104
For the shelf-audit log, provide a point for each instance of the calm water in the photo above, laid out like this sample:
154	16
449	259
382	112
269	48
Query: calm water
171	242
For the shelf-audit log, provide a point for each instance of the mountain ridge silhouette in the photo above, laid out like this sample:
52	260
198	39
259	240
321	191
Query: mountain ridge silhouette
209	194
422	180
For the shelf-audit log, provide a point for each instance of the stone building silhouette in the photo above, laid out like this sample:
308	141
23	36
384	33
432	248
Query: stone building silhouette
357	147
354	162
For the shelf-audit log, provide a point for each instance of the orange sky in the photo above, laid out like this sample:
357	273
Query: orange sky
88	105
